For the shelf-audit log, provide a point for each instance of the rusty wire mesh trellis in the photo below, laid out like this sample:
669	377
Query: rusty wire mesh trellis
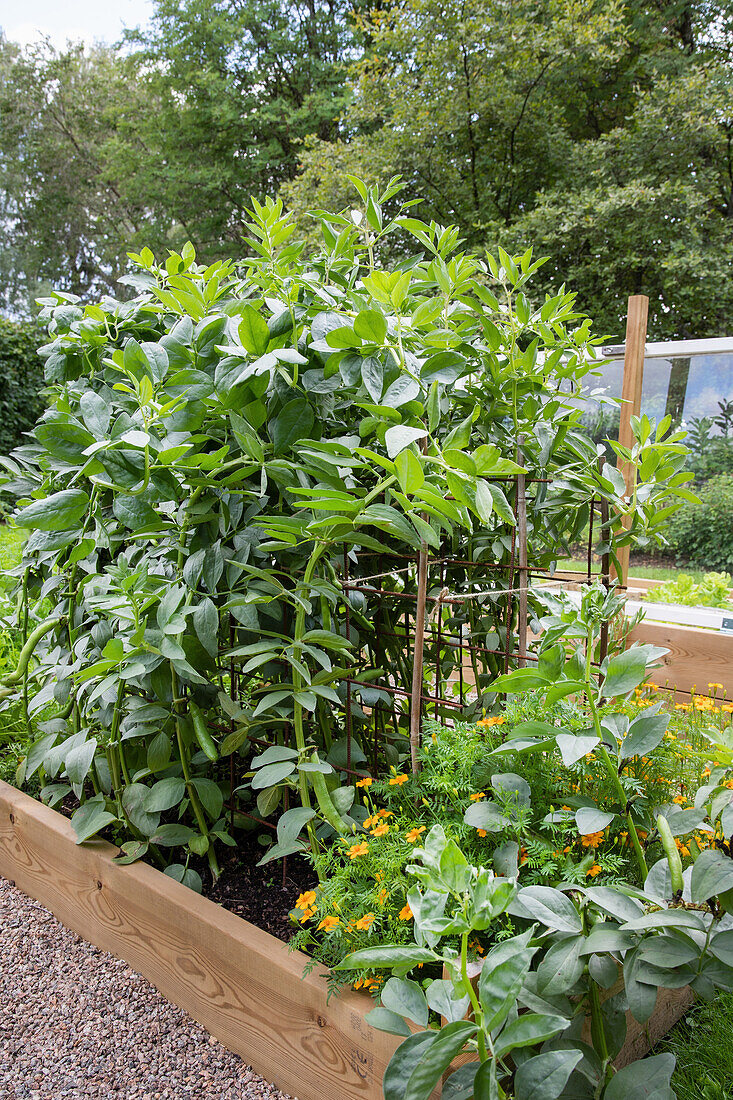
474	626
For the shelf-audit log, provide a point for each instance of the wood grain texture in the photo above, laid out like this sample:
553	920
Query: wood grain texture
243	985
640	1038
635	347
695	659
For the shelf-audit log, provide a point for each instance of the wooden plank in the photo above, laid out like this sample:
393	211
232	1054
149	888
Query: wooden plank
695	659
243	985
640	1038
635	347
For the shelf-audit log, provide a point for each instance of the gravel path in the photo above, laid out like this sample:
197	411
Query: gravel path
78	1024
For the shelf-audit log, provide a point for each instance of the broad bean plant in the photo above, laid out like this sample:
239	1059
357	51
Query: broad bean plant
215	447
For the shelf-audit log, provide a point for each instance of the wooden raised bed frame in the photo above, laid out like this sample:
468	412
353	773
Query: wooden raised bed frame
243	985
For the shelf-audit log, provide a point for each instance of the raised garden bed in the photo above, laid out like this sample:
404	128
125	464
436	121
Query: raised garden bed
246	987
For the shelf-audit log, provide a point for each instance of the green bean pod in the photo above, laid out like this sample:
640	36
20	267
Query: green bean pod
27	651
201	730
325	803
673	856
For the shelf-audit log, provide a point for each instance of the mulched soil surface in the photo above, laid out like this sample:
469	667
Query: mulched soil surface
78	1024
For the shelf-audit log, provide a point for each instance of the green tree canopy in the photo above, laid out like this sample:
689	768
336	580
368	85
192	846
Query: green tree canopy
598	131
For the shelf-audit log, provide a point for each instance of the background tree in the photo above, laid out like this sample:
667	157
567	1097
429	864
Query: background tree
597	132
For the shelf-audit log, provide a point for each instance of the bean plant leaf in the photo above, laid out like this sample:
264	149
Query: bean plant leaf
401	436
522	679
91	818
544	1077
549	906
56	512
407	999
387	957
404	1061
625	671
441	999
295	421
529	1029
272	774
437	1057
164	795
574	747
385	1020
648	1079
712	874
253	331
590	819
645	733
134	803
501	979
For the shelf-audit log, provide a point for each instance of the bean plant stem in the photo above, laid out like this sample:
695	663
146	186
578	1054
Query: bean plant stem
609	765
190	789
475	1003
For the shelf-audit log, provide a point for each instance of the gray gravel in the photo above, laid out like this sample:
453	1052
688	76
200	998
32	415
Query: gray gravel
78	1023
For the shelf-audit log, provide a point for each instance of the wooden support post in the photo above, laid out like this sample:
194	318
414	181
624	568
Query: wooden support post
522	564
631	398
417	658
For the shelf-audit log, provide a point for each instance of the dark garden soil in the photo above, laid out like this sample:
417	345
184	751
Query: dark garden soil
262	895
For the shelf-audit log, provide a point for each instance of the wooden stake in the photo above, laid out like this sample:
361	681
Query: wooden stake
522	562
631	399
417	658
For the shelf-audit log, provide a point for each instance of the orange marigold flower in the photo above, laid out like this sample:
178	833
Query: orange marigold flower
384	813
414	834
522	855
365	922
679	799
306	900
365	782
592	840
594	870
356	850
716	687
307	914
495	721
478	796
329	923
398	780
382	895
380	830
481	832
405	913
367	983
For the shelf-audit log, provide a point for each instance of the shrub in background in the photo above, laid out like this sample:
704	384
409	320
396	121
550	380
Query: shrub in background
702	533
21	379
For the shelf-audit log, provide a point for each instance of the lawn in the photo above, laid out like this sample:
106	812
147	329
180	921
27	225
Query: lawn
648	572
11	542
703	1045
